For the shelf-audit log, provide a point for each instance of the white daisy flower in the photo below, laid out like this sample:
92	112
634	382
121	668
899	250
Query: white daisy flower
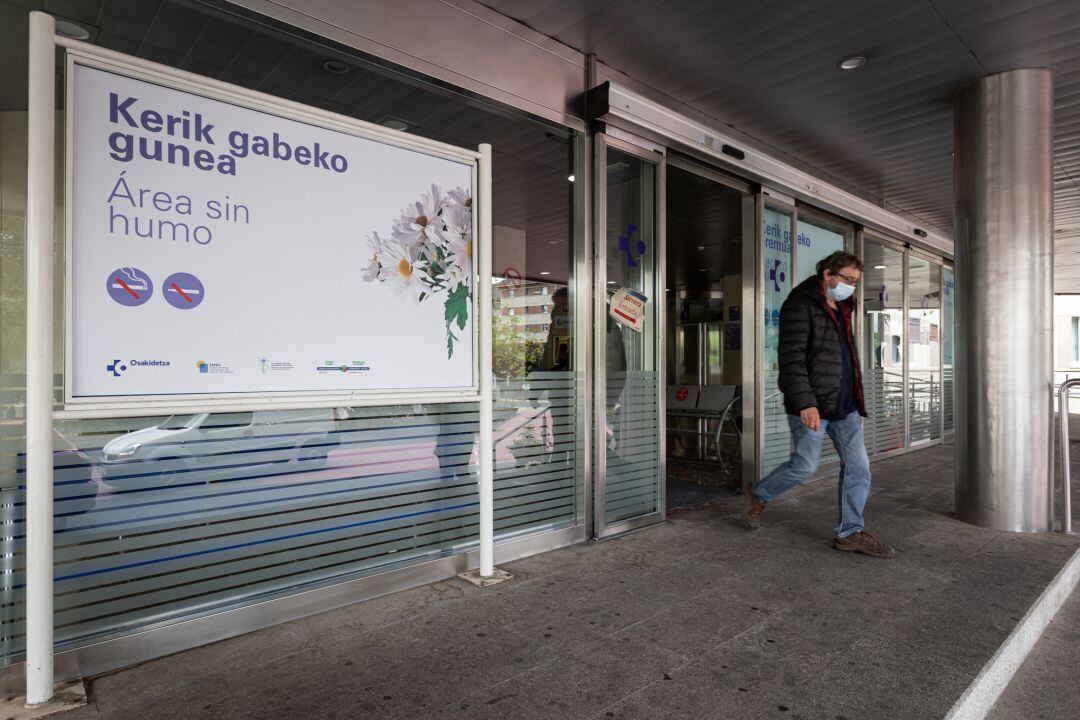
459	253
403	271
416	227
459	196
375	269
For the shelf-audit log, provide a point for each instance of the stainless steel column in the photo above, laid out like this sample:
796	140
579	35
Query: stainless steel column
1003	136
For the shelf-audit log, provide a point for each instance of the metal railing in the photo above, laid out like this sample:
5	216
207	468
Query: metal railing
1066	478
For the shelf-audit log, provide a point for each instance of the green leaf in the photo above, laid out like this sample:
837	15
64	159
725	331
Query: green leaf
449	343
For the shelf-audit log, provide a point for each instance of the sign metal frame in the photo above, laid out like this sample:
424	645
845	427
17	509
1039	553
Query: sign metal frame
120	405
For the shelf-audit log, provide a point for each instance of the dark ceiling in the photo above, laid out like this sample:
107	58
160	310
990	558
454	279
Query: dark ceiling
769	69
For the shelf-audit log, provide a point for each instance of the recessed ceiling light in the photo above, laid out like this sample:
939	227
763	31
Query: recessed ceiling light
610	282
336	67
571	178
852	63
879	267
544	272
395	124
71	30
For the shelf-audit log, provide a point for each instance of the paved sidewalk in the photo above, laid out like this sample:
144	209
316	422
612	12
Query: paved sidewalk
696	618
1047	686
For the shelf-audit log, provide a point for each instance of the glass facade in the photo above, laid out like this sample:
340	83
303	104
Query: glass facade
905	333
162	519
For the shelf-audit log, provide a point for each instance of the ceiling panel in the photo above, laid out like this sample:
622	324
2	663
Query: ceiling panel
769	70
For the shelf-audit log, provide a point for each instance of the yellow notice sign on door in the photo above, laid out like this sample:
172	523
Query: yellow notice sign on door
628	308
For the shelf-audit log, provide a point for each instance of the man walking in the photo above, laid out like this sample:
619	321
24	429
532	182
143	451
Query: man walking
823	394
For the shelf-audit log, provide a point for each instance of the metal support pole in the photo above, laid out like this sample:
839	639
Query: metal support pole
1003	142
487	457
1066	479
39	360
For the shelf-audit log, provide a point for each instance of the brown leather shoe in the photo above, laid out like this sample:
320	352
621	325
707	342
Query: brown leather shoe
752	510
864	542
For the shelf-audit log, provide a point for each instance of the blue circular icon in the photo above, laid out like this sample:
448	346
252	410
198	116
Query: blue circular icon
183	291
129	286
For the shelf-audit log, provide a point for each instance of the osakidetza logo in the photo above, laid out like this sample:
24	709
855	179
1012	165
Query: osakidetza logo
118	367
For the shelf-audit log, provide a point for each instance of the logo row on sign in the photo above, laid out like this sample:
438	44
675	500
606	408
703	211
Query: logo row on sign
131	287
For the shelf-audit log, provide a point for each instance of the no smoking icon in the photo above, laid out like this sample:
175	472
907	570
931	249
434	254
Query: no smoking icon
129	286
183	291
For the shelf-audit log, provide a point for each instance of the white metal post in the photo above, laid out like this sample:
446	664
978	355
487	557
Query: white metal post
487	456
39	360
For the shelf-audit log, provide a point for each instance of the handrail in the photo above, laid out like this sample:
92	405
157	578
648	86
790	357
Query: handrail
1066	479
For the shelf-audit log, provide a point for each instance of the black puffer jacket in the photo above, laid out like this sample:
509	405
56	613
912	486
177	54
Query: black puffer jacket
810	361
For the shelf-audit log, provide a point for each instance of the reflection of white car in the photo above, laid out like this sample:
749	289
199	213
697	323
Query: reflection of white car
185	442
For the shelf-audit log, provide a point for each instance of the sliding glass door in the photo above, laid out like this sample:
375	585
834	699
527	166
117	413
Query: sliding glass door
629	421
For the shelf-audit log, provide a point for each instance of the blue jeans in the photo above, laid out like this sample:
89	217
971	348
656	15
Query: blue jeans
854	488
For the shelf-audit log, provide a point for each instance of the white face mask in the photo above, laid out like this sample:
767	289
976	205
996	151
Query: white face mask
841	292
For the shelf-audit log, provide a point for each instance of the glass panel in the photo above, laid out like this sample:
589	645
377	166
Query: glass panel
777	253
883	346
815	242
155	522
948	296
924	352
632	420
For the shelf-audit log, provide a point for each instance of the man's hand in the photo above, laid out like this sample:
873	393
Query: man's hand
810	418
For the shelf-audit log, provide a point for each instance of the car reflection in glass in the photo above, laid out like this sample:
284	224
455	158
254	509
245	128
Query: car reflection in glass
207	447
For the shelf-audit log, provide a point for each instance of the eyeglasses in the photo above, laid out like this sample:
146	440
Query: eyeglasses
848	279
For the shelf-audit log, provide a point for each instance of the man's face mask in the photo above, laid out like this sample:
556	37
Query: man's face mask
841	292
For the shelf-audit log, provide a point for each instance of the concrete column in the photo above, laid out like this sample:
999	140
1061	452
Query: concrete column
1003	140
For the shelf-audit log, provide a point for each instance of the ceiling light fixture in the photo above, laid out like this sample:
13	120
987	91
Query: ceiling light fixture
336	67
571	178
544	272
395	124
852	63
71	30
879	267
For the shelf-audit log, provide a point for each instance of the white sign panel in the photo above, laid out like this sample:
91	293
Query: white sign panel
218	249
628	308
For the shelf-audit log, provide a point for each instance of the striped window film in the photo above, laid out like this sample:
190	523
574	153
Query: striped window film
883	347
948	300
159	520
777	431
633	449
924	351
538	449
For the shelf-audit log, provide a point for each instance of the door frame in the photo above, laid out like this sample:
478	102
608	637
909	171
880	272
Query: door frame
657	156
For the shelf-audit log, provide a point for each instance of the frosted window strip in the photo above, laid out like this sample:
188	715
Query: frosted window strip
154	539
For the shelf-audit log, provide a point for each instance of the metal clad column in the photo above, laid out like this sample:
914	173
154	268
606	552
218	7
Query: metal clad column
1003	136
